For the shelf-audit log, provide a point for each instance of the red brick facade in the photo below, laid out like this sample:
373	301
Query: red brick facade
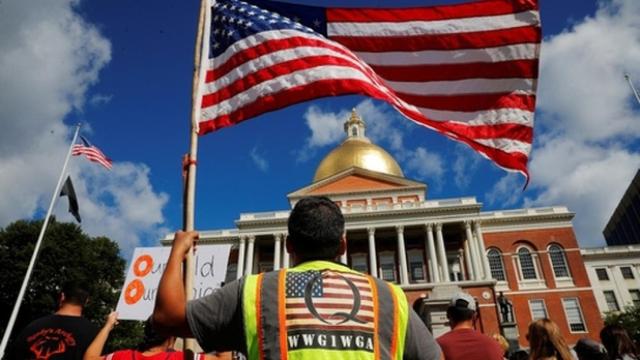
580	288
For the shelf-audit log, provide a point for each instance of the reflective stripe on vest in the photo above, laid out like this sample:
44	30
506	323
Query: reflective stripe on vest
321	309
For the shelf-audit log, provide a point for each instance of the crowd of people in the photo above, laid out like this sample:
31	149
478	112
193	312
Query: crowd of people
318	309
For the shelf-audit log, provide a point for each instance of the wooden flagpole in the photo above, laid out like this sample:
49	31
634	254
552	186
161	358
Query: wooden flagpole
36	250
189	198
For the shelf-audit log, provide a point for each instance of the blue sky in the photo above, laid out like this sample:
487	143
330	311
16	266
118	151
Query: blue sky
123	68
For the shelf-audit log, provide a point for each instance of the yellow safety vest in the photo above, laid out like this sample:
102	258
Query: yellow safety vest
320	309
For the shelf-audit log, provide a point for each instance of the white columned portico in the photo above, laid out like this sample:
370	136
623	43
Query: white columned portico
434	276
241	255
402	254
467	260
442	254
373	262
277	240
483	251
248	268
475	255
344	257
285	253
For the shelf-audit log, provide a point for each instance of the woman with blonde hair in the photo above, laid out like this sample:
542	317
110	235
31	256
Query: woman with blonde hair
546	343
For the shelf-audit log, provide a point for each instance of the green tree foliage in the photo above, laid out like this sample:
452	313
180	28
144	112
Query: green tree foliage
629	319
66	254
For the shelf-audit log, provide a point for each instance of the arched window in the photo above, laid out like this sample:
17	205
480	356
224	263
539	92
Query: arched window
495	264
558	261
527	266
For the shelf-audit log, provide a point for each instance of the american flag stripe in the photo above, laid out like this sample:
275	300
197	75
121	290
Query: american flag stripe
464	10
335	305
463	41
442	57
399	28
326	327
468	71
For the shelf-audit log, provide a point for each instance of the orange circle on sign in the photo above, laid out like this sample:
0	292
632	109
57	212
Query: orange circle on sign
143	260
133	292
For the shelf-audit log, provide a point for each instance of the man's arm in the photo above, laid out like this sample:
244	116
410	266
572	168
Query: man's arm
94	351
170	313
419	343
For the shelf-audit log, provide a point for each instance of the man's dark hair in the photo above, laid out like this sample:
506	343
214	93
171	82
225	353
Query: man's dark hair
75	293
315	227
151	338
460	312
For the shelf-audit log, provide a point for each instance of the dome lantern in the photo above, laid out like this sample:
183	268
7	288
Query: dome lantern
357	151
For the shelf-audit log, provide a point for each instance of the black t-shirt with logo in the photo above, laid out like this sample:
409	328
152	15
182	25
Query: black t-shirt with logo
54	337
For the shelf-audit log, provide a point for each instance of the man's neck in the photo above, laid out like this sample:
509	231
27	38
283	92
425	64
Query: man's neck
463	325
69	310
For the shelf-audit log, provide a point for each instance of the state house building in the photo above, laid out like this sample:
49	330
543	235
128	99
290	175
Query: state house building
434	247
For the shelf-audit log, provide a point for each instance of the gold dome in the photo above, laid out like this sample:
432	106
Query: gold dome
357	151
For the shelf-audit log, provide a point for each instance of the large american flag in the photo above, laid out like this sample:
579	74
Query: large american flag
468	71
91	152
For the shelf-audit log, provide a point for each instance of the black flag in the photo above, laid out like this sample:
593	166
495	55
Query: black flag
67	190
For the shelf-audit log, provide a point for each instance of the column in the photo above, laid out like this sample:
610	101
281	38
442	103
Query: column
434	276
285	253
240	265
344	258
276	251
483	251
477	274
467	260
402	255
373	261
442	254
463	269
248	267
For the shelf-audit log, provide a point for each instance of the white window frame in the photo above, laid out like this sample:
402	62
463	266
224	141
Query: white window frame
416	253
606	272
544	307
584	323
634	291
633	275
381	257
615	299
561	281
538	282
360	257
504	272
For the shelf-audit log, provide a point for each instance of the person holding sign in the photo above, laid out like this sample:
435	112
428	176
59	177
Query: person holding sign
317	309
154	346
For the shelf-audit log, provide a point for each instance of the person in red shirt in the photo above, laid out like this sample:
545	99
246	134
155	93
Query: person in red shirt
463	341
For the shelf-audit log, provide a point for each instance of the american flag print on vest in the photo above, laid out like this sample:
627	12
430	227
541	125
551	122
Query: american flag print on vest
329	310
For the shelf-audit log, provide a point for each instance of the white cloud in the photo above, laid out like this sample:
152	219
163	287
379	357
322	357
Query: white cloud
49	58
426	165
100	99
384	126
465	165
259	160
583	157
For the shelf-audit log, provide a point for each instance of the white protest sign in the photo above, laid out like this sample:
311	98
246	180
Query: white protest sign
138	295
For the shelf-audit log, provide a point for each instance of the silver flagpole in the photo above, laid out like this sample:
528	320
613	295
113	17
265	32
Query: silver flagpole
34	256
635	92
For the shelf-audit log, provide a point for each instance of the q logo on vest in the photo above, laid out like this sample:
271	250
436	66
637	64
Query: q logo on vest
135	289
338	317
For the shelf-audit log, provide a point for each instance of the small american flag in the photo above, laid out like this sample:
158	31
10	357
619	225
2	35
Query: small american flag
468	71
91	152
329	302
